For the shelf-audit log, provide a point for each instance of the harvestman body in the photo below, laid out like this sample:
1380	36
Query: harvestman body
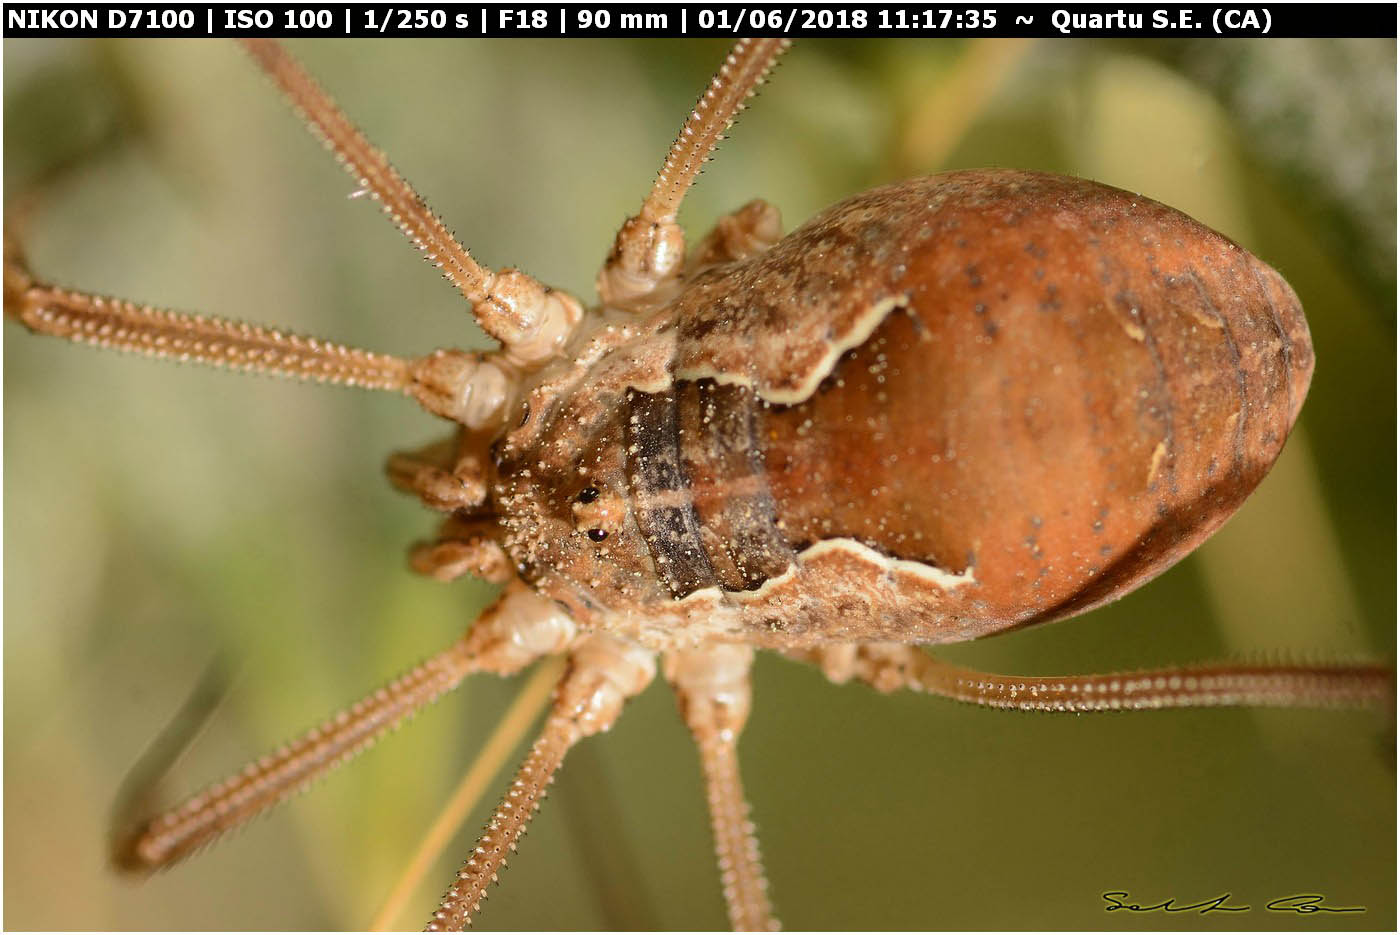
939	410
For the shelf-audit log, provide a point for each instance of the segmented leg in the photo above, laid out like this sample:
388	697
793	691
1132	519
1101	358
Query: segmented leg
712	687
650	248
532	320
371	169
891	666
513	727
603	673
127	326
458	385
520	628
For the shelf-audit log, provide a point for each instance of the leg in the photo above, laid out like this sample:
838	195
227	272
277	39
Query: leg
468	388
126	326
712	687
603	673
531	320
520	628
649	251
891	666
513	726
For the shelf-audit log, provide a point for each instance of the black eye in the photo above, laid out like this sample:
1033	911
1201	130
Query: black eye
597	535
588	495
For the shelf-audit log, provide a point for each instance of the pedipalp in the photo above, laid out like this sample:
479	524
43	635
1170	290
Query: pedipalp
446	475
462	547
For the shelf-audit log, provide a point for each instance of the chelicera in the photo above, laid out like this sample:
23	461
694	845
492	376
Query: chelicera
675	370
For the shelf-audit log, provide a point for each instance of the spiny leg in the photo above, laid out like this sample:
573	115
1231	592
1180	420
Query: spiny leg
603	673
459	385
891	666
127	326
513	727
650	248
530	319
712	687
518	629
371	169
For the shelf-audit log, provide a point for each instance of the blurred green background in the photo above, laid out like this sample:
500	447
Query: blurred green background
161	517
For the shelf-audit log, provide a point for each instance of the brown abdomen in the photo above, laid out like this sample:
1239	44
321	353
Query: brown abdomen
1057	386
1078	388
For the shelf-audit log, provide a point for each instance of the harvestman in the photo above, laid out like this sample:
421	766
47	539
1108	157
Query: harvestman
686	556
